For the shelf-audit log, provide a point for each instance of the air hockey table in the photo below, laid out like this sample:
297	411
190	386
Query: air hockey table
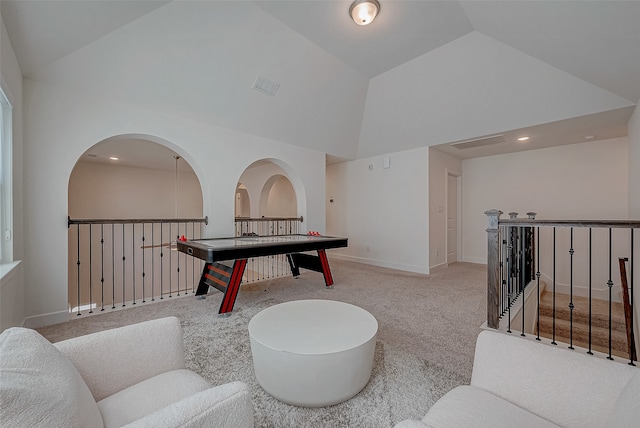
228	278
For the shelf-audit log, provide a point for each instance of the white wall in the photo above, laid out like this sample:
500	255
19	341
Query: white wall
59	118
440	165
281	199
12	309
586	181
634	165
111	191
383	212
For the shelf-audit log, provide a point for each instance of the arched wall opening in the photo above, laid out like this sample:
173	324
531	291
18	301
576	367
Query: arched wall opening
144	181
133	189
273	189
278	199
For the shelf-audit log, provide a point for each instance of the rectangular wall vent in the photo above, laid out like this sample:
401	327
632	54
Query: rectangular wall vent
479	142
266	86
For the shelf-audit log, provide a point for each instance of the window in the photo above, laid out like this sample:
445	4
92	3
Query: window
6	205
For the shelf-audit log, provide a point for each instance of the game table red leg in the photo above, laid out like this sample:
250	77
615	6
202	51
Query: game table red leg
318	263
233	287
326	270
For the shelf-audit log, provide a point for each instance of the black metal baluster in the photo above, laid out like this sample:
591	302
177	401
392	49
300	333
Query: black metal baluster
178	256
509	280
522	273
610	285
90	271
143	272
170	264
133	259
538	281
113	266
631	301
161	262
571	306
193	259
590	293
553	329
503	282
102	267
78	265
153	262
123	269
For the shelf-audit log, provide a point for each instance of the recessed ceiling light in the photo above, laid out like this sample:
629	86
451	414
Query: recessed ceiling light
113	158
588	137
523	138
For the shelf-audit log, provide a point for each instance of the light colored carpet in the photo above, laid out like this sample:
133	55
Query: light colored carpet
428	325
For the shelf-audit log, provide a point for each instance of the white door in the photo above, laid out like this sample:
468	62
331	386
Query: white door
452	219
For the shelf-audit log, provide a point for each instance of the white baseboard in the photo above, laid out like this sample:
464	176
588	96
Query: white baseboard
438	267
601	293
475	260
382	263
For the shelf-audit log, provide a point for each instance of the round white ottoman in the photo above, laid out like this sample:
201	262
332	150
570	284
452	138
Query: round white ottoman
313	353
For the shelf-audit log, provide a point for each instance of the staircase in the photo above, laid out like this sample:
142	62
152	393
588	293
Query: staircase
599	323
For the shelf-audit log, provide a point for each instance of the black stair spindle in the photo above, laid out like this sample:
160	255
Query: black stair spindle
90	271
123	269
133	260
610	285
538	283
143	272
161	263
78	265
113	266
590	293
102	267
571	306
553	341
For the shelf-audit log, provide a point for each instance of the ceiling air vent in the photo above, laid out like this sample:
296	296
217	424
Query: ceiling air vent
265	86
479	142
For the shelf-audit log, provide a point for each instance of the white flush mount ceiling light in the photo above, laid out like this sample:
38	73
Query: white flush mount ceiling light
363	12
523	139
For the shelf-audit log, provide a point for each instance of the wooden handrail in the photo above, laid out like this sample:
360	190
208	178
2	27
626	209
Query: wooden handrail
240	219
627	224
71	221
627	308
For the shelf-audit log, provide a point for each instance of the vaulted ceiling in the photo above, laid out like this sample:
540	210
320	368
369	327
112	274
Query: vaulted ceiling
423	73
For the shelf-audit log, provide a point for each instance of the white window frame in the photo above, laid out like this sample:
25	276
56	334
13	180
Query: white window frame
6	182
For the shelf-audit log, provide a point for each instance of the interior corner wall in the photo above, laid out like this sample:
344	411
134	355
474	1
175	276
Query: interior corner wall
62	124
384	212
585	181
634	164
12	298
440	166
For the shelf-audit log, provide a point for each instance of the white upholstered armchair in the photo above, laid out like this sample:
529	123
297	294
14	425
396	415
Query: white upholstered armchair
132	376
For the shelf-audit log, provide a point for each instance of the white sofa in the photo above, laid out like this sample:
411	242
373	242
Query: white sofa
517	382
131	376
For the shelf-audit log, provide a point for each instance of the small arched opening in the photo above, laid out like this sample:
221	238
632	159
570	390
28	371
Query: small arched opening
274	197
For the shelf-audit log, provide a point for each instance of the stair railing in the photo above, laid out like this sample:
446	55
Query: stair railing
267	267
572	257
118	262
